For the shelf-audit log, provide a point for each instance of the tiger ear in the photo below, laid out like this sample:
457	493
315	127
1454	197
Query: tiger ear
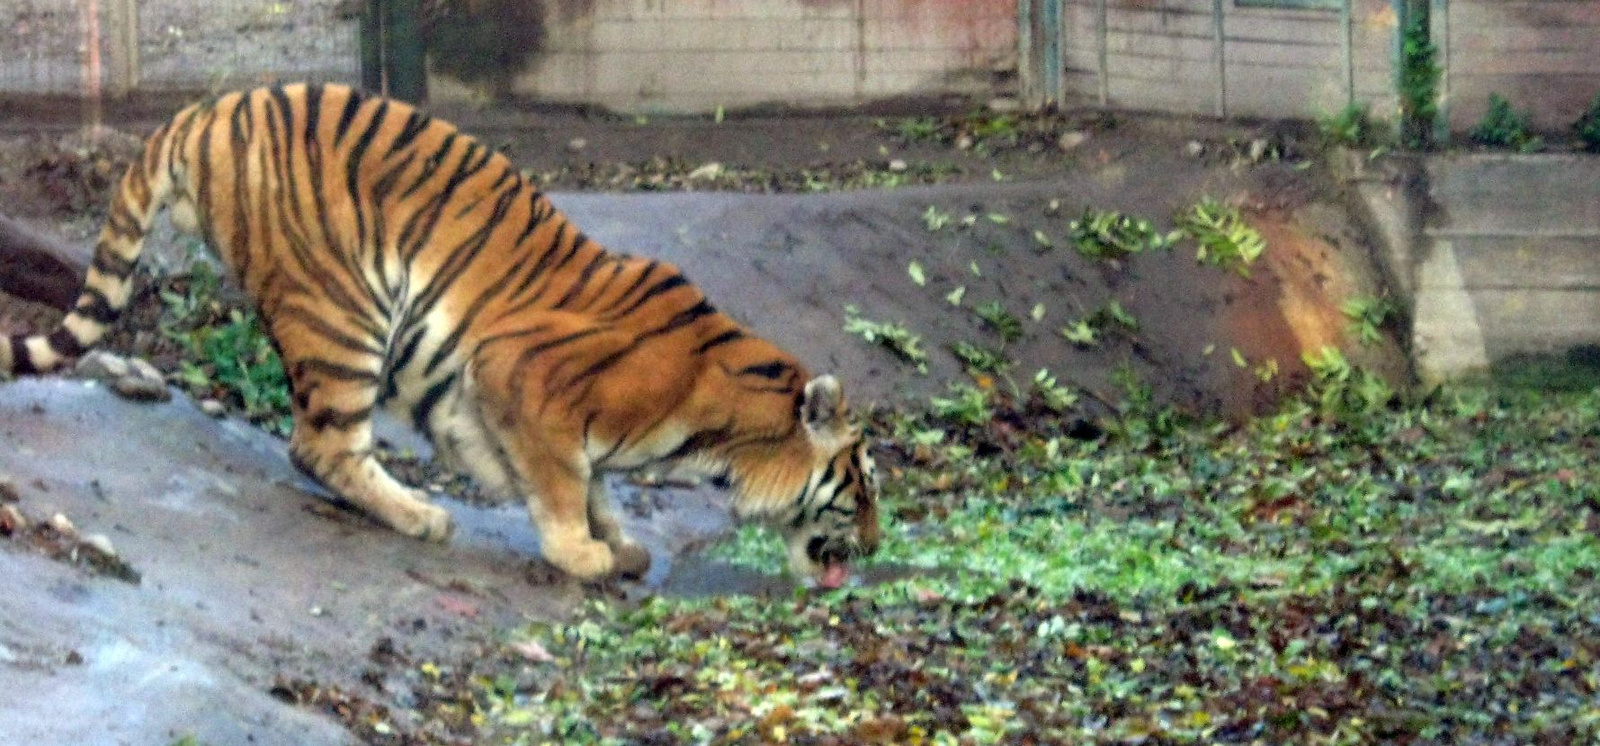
822	407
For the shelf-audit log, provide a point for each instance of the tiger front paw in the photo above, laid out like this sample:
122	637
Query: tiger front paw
632	559
430	523
584	559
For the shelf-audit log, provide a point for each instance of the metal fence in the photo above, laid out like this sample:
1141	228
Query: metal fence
86	47
1265	58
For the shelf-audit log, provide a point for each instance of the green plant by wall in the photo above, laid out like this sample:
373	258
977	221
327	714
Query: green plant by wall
1352	127
1419	79
1503	126
1588	126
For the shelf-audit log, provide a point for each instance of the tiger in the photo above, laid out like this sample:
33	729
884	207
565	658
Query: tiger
398	263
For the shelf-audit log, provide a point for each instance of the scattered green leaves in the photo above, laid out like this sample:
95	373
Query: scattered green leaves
896	338
1368	316
1003	322
1111	235
1225	239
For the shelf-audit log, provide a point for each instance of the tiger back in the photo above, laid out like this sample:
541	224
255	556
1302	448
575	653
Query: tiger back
399	263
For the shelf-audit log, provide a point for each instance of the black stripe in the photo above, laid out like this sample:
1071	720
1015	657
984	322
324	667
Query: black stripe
674	281
732	335
109	264
122	221
330	369
423	409
681	319
95	306
353	171
582	282
338	419
327	330
347	116
431	164
64	344
772	370
414	126
21	359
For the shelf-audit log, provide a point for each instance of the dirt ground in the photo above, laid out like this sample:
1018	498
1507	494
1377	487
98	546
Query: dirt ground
781	233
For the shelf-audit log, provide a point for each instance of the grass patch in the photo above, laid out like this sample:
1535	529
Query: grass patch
1420	572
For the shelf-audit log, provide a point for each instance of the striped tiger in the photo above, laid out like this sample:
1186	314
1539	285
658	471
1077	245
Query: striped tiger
396	262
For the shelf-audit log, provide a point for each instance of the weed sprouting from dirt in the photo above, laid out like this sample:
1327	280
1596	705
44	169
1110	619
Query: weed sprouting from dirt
223	353
1225	239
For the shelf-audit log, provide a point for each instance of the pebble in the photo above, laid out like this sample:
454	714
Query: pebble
577	144
1070	140
709	171
11	520
897	165
102	366
139	388
1194	149
1005	105
101	544
213	408
62	524
143	369
1258	149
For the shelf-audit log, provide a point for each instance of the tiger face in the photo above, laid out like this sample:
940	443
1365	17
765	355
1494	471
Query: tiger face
834	518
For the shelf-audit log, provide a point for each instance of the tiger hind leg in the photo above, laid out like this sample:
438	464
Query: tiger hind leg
332	442
632	559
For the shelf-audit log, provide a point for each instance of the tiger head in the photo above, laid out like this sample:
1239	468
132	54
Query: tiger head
830	513
815	482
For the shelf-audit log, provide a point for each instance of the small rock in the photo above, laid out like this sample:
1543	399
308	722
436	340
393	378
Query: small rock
11	520
709	171
1070	140
74	658
101	543
141	389
897	165
102	366
143	369
1004	105
213	408
63	525
1258	149
964	142
1194	149
577	144
317	611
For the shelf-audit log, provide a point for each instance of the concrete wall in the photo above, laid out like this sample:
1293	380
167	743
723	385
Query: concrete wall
1542	55
1495	254
1277	62
696	55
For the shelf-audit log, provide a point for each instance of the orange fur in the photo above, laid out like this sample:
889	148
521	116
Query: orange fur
399	263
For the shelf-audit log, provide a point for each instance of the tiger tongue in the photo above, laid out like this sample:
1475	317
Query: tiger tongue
834	575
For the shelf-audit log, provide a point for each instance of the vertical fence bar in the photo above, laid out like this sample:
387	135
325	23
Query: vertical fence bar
1027	80
1101	32
122	20
1347	49
371	35
1219	52
1050	31
1439	32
